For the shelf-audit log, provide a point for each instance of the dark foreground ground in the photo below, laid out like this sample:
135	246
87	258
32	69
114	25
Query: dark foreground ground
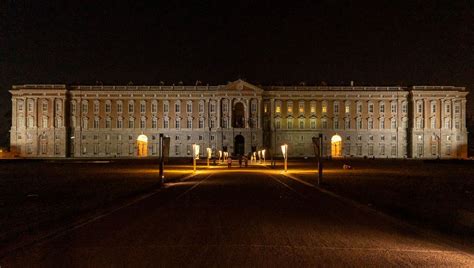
234	218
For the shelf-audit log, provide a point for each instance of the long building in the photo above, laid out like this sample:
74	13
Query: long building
239	117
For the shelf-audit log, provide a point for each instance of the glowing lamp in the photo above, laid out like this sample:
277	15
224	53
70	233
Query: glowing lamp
196	151
209	152
284	150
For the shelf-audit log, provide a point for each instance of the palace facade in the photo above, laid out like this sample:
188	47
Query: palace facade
239	117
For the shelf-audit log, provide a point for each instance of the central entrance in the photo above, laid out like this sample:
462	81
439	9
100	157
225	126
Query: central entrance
239	145
336	146
142	145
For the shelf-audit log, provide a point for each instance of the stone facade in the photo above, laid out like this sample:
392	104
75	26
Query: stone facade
105	121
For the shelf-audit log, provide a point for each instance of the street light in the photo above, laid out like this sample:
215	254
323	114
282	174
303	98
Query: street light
209	152
220	155
263	156
284	150
195	155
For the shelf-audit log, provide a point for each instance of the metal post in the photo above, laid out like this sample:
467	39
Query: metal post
320	160
162	159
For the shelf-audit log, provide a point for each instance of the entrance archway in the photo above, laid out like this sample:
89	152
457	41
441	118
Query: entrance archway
336	146
239	145
142	145
238	115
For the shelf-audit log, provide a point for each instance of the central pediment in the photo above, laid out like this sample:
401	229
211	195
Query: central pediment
241	85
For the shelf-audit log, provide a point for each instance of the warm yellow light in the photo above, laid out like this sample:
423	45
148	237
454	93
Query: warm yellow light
209	152
336	138
196	151
263	153
143	138
284	150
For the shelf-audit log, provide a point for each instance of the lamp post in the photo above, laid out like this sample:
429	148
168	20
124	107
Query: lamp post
220	155
195	155
209	152
162	161
284	150
263	156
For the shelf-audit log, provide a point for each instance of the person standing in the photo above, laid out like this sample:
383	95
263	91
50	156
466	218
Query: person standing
229	162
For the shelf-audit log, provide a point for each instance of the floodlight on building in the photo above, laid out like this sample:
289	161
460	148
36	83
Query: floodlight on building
209	152
195	155
284	150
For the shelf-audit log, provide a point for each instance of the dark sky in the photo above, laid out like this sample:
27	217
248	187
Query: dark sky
376	42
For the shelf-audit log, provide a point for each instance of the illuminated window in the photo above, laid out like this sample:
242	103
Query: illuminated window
347	108
289	107
324	108
301	107
265	107
278	107
313	107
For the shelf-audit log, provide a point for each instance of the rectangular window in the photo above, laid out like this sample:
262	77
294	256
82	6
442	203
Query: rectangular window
336	108
382	149
177	123
130	107
96	107
290	107
301	107
142	107
347	108
107	107
189	107
371	108
382	107
301	122
119	107
370	149
419	149
313	123
324	108
290	124
154	107
278	108
404	107
393	150
177	107
277	124
359	149
393	108
359	107
166	107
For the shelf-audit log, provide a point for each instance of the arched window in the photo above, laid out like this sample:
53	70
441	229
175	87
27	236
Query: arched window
177	106
142	122
154	107
189	107
154	123
143	107
108	106
131	122
131	106
370	123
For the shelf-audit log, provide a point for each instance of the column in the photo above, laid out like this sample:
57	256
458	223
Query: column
247	113
219	111
259	113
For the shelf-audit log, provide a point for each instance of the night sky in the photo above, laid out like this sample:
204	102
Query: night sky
376	42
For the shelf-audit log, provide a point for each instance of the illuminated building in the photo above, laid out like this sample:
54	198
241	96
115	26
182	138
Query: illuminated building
239	117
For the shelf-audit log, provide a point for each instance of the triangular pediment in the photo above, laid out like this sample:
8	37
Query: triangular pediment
241	85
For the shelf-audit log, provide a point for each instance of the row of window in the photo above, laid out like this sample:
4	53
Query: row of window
142	106
433	107
44	105
142	123
336	124
336	107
